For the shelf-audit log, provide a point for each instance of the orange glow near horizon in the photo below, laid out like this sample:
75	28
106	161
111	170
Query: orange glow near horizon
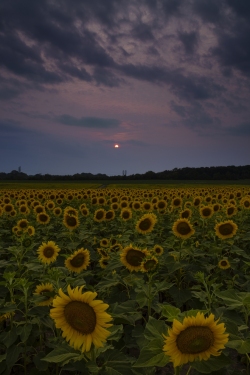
117	146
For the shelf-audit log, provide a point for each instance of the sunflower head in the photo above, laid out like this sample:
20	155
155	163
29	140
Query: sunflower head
78	261
196	338
146	223
132	257
224	264
99	215
43	218
206	212
226	229
48	252
149	264
45	290
82	319
70	221
158	250
182	228
126	214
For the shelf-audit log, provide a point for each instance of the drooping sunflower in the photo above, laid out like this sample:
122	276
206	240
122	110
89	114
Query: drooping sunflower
78	261
43	218
149	264
224	264
82	319
45	290
103	262
103	252
126	214
132	257
196	338
158	250
226	229
48	252
31	230
183	228
70	221
146	223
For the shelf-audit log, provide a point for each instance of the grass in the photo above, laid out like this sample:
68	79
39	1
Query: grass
145	184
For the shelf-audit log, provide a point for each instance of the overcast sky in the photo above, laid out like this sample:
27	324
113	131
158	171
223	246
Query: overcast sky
166	80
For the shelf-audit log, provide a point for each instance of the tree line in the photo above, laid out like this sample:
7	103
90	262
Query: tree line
203	173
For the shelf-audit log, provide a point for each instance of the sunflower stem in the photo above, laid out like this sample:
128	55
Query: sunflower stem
188	371
177	370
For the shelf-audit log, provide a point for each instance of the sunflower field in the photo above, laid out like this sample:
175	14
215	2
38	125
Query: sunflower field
125	281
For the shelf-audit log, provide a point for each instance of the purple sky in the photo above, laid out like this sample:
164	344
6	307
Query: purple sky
168	80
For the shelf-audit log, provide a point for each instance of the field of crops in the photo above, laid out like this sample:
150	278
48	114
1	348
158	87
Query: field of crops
125	281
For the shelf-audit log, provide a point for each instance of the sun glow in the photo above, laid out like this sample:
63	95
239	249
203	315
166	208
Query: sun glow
117	146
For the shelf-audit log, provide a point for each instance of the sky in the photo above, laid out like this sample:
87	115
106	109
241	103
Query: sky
166	80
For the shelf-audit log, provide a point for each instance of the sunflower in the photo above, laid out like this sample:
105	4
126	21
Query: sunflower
78	261
146	223
71	222
45	290
116	247
231	211
186	214
136	205
70	211
99	215
147	206
39	209
23	224
161	204
126	214
197	338
226	229
245	203
50	205
149	264
104	242
103	262
183	228
48	252
43	218
84	211
224	264
109	215
158	250
115	206
7	208
31	230
176	202
206	212
132	257
57	211
103	252
82	319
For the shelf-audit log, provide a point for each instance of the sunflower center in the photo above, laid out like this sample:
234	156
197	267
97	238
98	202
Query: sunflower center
223	263
44	292
206	212
71	221
43	217
226	229
195	339
78	260
100	215
246	203
183	228
80	316
230	211
149	264
145	224
125	215
48	252
134	257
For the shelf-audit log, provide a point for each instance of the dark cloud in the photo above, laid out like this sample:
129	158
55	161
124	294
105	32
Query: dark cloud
189	41
233	49
143	32
241	130
88	122
209	10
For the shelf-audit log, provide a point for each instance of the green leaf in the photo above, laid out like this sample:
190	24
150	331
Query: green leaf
12	355
180	296
61	355
26	330
212	364
231	298
2	357
10	337
116	332
170	312
152	355
40	365
154	329
241	346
